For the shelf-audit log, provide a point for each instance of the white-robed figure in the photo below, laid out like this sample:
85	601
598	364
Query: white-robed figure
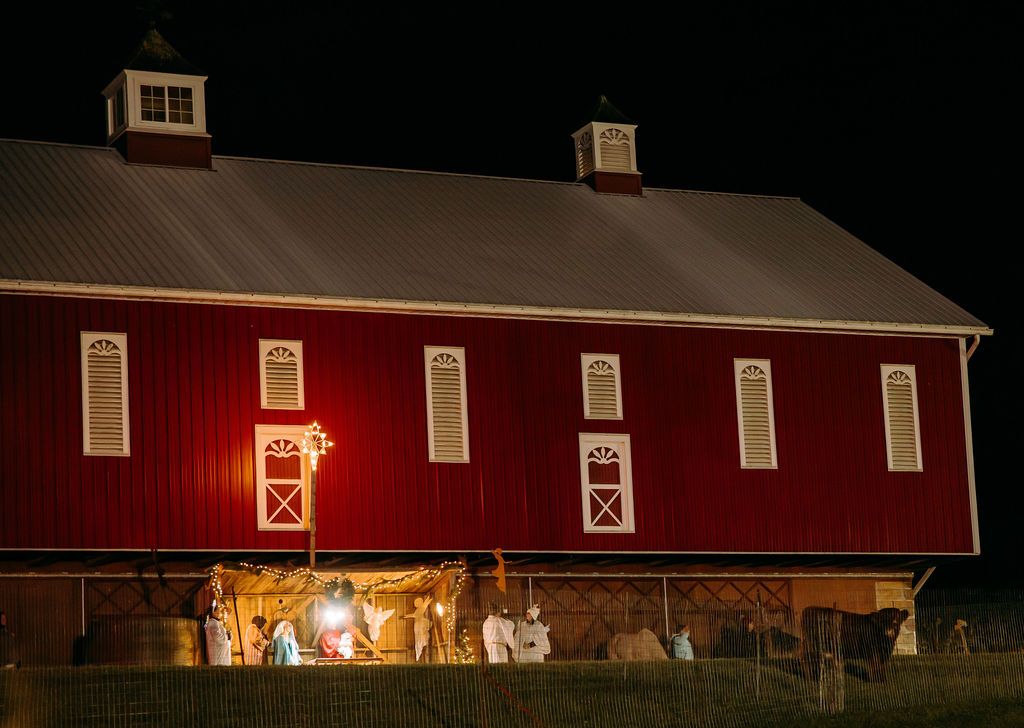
420	625
499	636
218	639
374	618
531	639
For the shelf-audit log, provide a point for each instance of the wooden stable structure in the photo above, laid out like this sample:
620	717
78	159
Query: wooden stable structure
303	602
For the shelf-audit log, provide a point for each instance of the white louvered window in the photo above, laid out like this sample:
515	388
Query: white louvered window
584	154
902	425
447	416
755	413
281	384
602	387
606	477
615	150
282	478
105	394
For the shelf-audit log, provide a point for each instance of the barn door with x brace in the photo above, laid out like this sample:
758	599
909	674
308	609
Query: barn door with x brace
282	478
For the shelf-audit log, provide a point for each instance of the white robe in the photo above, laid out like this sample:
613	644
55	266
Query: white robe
375	618
421	632
218	645
498	638
345	646
536	633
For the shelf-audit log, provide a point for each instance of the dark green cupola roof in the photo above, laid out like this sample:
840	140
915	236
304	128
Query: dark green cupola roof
156	54
605	112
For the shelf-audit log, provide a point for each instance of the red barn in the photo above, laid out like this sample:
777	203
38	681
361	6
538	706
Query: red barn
631	391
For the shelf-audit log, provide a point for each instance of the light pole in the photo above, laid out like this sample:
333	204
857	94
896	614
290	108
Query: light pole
315	444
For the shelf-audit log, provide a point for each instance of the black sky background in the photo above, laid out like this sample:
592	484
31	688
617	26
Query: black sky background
899	121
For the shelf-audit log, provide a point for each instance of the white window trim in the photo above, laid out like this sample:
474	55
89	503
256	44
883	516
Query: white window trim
613	359
113	129
910	371
134	80
766	366
429	352
121	341
621	444
265	434
295	346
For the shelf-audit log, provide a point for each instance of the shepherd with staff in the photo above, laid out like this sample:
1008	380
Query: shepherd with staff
255	641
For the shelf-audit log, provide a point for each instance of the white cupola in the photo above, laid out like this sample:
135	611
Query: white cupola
606	151
156	108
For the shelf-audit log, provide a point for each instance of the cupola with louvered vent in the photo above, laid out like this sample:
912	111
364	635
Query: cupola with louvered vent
156	108
605	151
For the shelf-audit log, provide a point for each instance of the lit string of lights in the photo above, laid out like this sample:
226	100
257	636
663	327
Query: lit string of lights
305	572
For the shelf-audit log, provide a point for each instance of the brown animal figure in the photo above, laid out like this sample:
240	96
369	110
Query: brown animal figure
642	645
870	637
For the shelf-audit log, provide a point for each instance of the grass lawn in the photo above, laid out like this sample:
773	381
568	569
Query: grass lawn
981	690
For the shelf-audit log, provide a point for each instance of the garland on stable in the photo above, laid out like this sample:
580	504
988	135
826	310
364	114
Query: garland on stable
335	582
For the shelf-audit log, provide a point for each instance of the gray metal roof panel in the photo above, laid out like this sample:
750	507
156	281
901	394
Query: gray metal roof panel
81	215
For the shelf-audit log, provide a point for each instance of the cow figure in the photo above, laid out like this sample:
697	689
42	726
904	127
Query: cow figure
869	637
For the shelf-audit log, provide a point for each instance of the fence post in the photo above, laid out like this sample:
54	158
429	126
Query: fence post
664	596
757	654
831	677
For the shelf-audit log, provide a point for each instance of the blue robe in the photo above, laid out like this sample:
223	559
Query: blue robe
286	650
681	647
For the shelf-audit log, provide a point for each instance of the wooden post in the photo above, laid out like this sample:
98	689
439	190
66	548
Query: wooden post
831	677
238	625
312	520
757	654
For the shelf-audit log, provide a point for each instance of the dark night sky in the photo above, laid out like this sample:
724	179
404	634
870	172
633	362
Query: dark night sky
896	120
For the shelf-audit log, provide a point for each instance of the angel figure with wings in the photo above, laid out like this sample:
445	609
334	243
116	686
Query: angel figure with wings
375	617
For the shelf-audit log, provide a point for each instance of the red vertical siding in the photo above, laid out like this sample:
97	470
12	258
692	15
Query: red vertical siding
194	401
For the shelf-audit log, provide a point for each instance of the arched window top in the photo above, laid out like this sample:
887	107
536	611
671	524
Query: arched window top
445	360
104	347
614	136
899	377
753	373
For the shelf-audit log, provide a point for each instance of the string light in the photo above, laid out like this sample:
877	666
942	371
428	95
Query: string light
464	653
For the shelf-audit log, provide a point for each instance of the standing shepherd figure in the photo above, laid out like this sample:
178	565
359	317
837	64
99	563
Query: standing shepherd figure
499	636
218	637
254	642
531	638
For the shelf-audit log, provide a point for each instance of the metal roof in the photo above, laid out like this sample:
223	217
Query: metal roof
81	215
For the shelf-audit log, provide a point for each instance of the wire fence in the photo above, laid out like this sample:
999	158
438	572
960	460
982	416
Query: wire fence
758	659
